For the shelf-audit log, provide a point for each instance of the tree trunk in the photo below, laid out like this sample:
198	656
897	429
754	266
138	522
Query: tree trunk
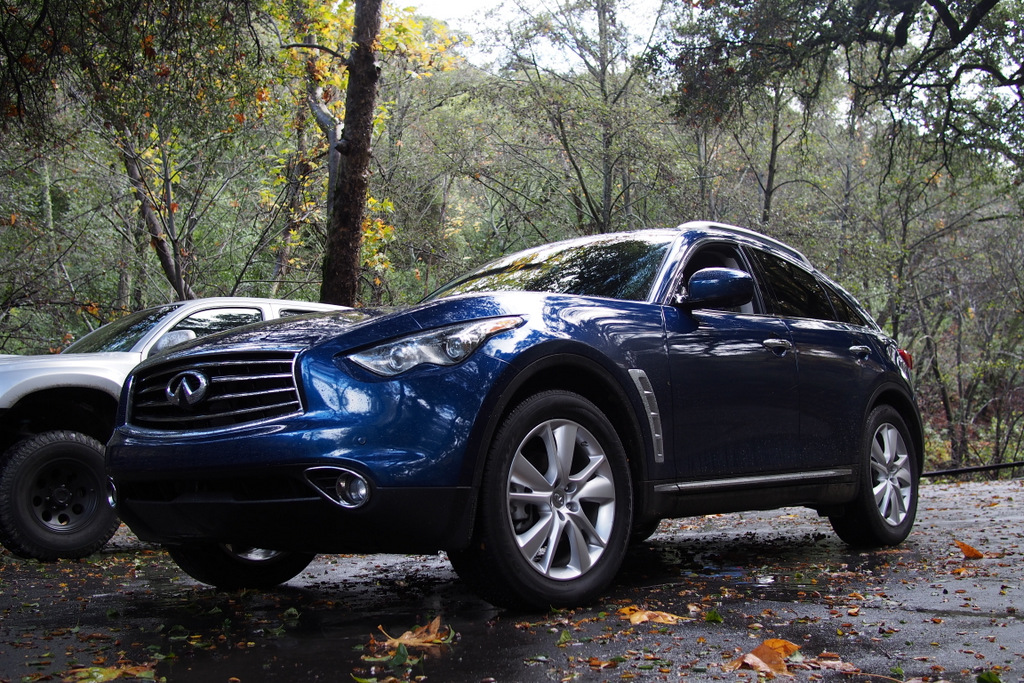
158	240
348	205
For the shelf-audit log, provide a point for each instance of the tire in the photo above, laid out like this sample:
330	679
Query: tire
555	508
886	504
53	497
642	532
230	567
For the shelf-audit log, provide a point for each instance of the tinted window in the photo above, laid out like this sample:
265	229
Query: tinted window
716	256
796	292
120	335
218	320
614	267
845	311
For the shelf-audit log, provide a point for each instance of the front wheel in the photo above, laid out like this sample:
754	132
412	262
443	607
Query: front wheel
53	497
555	507
231	567
883	512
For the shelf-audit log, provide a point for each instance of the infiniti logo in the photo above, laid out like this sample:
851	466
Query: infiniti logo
188	388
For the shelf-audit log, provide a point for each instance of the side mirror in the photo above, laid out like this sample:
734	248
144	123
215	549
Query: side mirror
717	288
173	338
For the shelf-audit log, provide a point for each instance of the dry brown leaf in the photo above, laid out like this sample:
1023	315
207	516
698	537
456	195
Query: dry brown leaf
837	665
755	663
597	663
640	616
655	617
768	658
421	636
969	552
785	648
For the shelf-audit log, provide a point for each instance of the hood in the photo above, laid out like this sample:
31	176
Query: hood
295	332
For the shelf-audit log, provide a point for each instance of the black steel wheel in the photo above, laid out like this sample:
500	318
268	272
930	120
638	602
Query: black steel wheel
53	497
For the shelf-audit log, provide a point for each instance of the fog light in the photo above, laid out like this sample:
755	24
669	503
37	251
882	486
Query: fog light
111	493
353	491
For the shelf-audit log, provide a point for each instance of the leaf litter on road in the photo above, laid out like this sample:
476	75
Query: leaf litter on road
745	578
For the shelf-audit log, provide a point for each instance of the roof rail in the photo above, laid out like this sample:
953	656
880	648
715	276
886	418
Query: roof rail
747	232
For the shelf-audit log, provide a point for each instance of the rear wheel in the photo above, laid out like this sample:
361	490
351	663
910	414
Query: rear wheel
230	567
555	507
886	506
53	497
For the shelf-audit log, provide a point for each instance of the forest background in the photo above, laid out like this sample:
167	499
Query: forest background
154	151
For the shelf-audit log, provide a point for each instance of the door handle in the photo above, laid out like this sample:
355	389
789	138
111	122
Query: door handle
861	352
777	346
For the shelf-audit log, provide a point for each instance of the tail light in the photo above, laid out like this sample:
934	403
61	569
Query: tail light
907	358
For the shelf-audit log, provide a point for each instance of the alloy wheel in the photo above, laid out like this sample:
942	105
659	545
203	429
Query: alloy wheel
561	499
892	478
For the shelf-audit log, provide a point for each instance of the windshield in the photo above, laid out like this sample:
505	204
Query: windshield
613	266
120	335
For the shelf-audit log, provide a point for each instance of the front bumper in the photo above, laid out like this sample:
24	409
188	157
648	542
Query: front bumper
278	511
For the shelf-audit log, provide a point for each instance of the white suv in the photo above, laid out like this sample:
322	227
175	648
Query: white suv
57	412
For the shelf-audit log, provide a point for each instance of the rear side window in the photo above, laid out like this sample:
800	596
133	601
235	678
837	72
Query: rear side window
793	291
845	311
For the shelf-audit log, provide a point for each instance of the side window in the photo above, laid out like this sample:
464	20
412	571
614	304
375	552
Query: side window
845	311
285	312
716	256
796	292
218	320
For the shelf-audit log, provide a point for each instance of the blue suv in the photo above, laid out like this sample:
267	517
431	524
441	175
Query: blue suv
532	418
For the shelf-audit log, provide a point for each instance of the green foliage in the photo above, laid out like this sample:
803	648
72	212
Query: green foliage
193	160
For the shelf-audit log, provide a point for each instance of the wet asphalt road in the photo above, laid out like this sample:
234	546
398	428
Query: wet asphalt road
920	611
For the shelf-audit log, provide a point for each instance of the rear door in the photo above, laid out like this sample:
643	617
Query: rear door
836	356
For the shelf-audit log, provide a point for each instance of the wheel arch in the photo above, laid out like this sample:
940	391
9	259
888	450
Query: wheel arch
85	410
568	371
907	409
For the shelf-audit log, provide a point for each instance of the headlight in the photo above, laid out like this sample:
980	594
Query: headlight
445	346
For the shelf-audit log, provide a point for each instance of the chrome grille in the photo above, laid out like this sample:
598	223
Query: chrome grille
223	391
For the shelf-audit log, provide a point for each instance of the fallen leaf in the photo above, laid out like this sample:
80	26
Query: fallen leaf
597	663
422	636
785	648
95	674
640	616
969	552
768	658
837	665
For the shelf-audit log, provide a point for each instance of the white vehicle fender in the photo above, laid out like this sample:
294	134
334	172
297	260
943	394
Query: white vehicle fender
21	376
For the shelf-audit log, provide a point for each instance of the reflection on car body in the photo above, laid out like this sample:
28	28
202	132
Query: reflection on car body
532	418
